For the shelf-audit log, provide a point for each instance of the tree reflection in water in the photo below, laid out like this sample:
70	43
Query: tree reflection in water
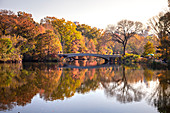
122	90
160	97
16	86
20	83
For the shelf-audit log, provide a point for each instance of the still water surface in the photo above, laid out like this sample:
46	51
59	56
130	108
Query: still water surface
58	88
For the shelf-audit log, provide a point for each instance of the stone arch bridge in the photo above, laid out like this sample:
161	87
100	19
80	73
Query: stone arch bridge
107	58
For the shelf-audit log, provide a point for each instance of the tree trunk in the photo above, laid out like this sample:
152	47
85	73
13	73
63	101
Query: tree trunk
124	48
3	32
166	54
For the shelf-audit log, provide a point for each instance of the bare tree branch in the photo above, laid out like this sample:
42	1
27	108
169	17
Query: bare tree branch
124	30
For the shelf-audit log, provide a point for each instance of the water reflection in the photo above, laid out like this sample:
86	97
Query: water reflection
160	97
123	89
20	83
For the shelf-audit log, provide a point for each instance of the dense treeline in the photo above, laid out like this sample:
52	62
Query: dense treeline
21	38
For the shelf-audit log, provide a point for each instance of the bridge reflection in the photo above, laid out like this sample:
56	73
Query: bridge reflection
106	64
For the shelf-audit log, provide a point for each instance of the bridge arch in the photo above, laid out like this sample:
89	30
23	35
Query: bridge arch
85	54
105	57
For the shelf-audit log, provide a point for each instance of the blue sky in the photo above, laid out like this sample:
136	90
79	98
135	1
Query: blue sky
96	13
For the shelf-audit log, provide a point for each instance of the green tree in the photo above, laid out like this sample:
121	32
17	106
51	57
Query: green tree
148	49
10	48
5	48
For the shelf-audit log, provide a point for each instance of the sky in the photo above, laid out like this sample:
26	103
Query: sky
96	13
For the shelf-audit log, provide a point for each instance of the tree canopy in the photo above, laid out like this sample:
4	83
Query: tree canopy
43	41
149	49
160	25
123	31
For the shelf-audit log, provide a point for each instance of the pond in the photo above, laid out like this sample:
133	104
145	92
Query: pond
83	88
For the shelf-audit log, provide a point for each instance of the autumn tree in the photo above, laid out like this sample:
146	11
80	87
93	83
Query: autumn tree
7	18
77	44
135	44
20	25
47	46
160	24
124	30
149	49
91	47
25	26
91	33
105	45
164	35
71	39
10	48
5	48
88	31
